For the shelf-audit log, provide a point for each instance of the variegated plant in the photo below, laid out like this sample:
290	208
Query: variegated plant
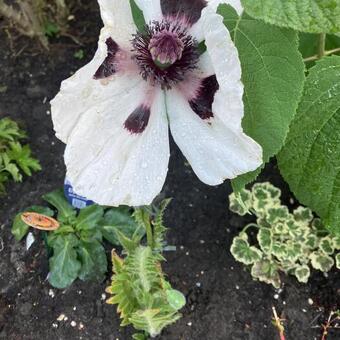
291	243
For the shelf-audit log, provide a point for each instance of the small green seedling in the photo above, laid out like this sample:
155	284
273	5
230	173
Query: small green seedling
287	242
15	158
145	299
77	245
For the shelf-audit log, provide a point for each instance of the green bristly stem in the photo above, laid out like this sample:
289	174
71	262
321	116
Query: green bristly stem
322	50
149	234
322	45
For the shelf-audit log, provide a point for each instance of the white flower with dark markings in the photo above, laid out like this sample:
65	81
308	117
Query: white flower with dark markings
114	114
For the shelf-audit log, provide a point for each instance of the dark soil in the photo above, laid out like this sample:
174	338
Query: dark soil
223	300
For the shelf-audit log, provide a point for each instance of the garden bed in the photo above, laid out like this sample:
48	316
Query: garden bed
223	302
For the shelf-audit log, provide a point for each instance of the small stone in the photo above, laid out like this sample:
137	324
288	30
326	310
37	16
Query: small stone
81	326
73	324
198	284
237	287
187	253
61	317
54	325
74	308
276	296
310	302
189	324
304	310
51	293
103	297
202	241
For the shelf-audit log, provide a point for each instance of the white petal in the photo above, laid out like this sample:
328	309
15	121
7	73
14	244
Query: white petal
215	150
117	17
151	9
111	166
197	31
234	3
81	92
221	49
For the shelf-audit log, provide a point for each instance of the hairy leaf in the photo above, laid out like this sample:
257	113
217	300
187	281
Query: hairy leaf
89	217
302	273
64	264
93	261
321	261
310	160
58	200
314	16
273	76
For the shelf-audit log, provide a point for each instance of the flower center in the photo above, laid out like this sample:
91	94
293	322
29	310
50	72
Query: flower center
165	53
166	48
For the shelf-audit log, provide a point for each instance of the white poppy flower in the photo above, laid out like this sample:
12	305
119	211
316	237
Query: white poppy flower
114	114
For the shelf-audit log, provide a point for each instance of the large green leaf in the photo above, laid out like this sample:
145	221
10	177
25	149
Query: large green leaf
58	200
310	160
118	220
64	264
93	261
20	229
273	76
89	217
314	16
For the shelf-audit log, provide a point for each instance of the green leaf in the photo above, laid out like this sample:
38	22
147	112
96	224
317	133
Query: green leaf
93	261
321	261
175	299
58	200
336	242
277	214
304	215
64	264
267	272
21	155
326	245
243	252
302	273
273	76
314	16
137	15
310	160
20	229
9	130
264	238
89	217
241	202
337	260
119	219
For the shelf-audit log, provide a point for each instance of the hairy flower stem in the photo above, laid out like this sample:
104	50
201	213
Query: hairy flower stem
322	45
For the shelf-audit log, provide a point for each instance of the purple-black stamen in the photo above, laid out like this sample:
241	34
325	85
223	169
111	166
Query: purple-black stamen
158	62
202	103
108	67
138	120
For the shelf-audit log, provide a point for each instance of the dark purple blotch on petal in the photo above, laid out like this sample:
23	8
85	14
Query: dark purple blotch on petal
138	120
108	67
202	104
188	9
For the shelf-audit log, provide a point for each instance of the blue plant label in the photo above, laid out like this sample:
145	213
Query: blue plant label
75	200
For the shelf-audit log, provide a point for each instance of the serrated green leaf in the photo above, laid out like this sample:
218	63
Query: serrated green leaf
314	16
20	229
10	131
243	252
93	261
89	217
310	159
58	200
21	155
264	238
321	261
137	15
64	264
273	76
175	299
302	273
